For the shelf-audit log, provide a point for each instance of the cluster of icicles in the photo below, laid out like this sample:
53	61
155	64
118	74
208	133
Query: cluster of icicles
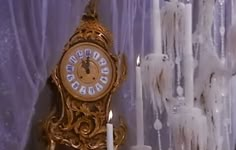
206	124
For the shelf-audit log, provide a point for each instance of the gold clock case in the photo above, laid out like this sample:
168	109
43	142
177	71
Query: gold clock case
79	124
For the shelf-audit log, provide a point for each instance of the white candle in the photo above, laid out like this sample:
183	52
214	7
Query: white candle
157	27
139	105
110	144
188	57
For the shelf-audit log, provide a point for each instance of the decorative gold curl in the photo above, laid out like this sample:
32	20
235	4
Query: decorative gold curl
81	125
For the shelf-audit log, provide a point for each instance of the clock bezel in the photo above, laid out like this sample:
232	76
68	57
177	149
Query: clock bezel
63	73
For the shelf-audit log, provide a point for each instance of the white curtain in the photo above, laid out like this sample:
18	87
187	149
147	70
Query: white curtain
32	36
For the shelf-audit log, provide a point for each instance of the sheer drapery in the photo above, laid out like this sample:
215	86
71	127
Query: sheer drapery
33	33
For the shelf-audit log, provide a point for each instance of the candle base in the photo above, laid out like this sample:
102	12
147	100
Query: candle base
141	147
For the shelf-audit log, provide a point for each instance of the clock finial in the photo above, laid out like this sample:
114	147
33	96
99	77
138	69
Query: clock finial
91	10
91	30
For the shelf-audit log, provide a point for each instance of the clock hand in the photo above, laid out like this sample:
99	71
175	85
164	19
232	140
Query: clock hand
87	65
84	65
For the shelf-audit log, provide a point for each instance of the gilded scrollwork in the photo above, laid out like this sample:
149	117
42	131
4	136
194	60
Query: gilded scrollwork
80	124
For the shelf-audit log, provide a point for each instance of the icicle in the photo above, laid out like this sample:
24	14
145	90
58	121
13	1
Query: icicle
205	19
188	58
158	69
173	27
231	49
211	80
189	127
157	80
207	93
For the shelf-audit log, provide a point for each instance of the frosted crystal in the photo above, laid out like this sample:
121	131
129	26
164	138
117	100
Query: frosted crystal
158	124
189	128
180	91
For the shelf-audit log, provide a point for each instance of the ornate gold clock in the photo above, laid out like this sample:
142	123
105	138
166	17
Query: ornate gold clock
86	76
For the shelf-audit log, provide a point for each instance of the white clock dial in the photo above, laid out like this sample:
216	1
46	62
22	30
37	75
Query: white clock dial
87	71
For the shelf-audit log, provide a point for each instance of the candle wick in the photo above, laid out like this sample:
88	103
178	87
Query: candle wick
109	120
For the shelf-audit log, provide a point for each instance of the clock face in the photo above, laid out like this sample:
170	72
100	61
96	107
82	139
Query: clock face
87	71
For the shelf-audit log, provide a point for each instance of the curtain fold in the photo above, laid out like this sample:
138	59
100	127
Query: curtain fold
33	35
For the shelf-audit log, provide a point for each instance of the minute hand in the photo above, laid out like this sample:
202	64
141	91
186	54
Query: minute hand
87	65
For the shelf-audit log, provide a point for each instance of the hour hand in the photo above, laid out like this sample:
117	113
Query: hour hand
88	65
85	65
87	61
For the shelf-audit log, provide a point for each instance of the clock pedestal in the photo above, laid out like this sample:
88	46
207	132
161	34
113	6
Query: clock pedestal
79	118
